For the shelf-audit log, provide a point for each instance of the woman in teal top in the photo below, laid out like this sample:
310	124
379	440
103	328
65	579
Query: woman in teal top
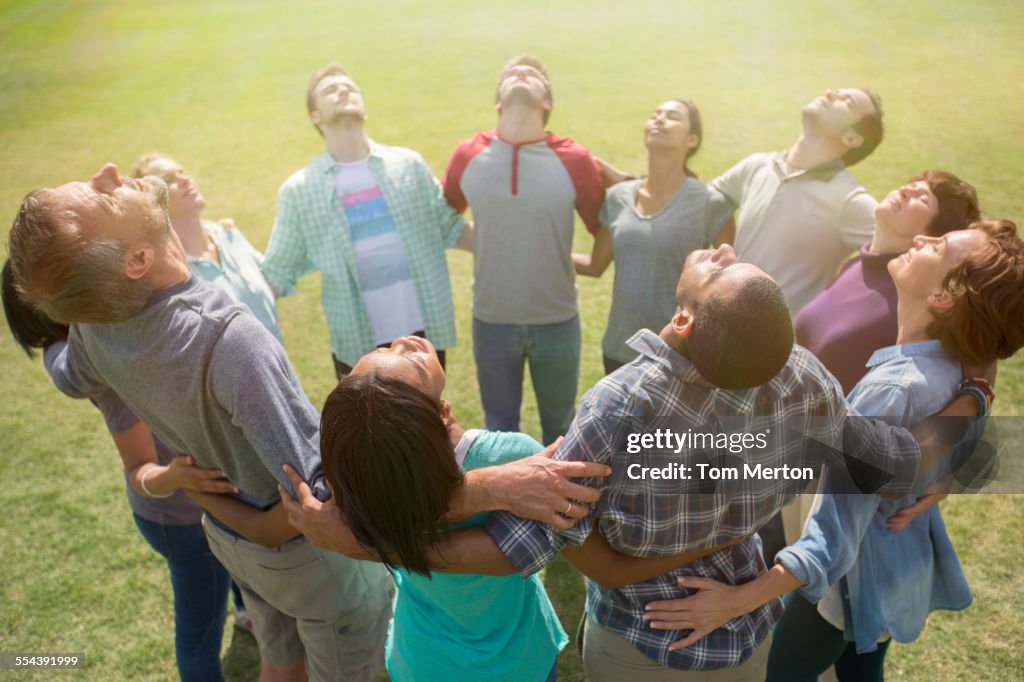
217	252
394	457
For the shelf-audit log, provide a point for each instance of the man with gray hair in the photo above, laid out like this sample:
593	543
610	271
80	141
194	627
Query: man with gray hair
101	255
210	380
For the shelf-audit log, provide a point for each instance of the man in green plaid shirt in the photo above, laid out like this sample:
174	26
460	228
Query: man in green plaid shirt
373	220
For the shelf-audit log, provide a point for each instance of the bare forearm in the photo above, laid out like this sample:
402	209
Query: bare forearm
474	496
468	551
268	528
471	551
770	585
158	481
582	262
727	235
138	455
612	570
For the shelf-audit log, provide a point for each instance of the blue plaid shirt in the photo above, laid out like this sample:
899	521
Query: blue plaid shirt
803	404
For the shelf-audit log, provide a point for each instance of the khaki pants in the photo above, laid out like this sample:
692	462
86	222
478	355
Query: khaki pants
308	603
607	657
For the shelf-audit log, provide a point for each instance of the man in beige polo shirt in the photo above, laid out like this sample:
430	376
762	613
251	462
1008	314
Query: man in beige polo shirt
801	213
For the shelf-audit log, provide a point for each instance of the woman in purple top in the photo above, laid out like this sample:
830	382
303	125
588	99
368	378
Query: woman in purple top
856	314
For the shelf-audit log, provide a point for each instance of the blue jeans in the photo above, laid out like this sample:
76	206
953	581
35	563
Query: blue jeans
200	586
553	350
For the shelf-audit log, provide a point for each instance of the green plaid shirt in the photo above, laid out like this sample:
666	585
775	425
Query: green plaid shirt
312	233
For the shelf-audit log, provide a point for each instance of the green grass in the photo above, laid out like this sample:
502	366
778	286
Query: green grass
220	86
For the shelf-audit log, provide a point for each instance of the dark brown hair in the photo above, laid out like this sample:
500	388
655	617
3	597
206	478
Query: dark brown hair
31	328
870	129
986	320
696	128
388	458
958	202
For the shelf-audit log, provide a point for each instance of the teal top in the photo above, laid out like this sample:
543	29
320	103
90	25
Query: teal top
238	274
474	627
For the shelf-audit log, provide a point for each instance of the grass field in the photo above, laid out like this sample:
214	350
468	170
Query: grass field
220	86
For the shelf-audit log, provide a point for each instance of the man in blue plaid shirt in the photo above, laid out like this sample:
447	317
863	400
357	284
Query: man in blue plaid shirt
726	356
732	331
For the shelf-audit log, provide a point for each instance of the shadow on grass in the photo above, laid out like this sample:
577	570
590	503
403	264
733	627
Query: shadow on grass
241	663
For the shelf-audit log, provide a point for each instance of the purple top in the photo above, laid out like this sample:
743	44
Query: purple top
852	318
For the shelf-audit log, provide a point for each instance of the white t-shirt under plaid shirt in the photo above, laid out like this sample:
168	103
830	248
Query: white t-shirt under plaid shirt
311	233
383	269
803	407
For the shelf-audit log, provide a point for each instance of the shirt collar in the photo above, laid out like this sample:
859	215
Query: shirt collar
325	163
166	293
927	349
653	347
872	259
825	171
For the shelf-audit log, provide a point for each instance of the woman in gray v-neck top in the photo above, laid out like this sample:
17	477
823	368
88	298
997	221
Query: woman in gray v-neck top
649	226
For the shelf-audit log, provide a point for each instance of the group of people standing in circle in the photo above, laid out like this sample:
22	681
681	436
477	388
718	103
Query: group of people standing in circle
723	276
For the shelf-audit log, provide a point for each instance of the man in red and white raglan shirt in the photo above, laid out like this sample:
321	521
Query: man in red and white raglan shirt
523	184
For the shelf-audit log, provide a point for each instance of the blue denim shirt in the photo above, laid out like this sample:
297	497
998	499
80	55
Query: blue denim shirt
893	580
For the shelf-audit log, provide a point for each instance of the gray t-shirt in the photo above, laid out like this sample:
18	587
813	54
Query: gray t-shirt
176	510
208	379
649	255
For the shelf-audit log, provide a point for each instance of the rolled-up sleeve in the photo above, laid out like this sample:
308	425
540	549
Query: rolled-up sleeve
531	545
831	542
449	222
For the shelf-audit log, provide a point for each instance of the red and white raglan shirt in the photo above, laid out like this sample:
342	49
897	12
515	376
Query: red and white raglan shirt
522	197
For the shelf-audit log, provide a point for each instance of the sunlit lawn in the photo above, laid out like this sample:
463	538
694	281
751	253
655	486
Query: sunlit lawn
220	86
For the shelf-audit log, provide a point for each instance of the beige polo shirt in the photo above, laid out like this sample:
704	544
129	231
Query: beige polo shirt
797	225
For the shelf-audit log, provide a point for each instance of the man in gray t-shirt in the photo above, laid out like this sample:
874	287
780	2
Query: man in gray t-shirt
208	379
523	184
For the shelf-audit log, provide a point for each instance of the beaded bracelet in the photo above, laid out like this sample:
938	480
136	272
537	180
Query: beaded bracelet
981	390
